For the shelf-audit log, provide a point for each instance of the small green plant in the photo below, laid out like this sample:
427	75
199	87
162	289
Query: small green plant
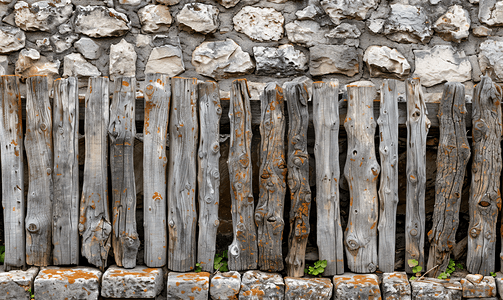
416	268
2	254
450	269
220	262
32	296
198	268
493	274
317	269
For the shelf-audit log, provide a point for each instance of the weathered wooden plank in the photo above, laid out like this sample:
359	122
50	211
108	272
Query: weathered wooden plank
388	189
94	223
485	196
326	152
208	175
273	170
182	175
361	171
418	125
243	252
11	143
155	133
122	131
452	157
65	233
298	177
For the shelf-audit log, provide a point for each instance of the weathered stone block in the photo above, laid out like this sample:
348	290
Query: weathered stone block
356	286
261	285
478	286
330	59
338	10
408	24
15	285
308	288
491	59
42	15
11	39
499	284
56	283
155	18
454	25
383	61
225	285
139	282
395	286
261	24
100	21
193	286
282	61
491	12
165	59
307	33
433	289
122	60
198	17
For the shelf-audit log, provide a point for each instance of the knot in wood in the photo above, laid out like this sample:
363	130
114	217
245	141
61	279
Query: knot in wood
32	228
43	127
208	199
215	173
372	267
258	217
149	90
234	250
81	227
238	186
61	130
216	223
171	223
352	244
49	171
297	161
219	109
271	219
215	147
202	153
244	160
488	235
413	232
307	198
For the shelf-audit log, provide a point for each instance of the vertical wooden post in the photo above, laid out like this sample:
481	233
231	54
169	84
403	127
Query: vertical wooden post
361	172
38	143
388	189
326	152
243	250
208	175
65	236
298	177
417	132
122	131
485	196
269	210
182	173
94	224
155	133
452	157
11	143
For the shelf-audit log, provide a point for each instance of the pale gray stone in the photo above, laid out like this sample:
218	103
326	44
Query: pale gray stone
352	42
306	33
436	289
168	2
88	48
14	285
308	13
122	60
266	285
256	89
198	17
478	286
260	24
476	73
31	63
482	31
357	286
42	15
155	18
143	40
308	288
375	25
11	39
282	61
333	59
491	59
192	286
100	21
165	59
4	65
383	61
491	12
225	285
65	28
221	59
57	283
77	66
454	25
395	286
228	3
499	284
408	24
340	9
344	31
63	42
130	2
44	44
138	282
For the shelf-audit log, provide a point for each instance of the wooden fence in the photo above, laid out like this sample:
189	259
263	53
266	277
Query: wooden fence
181	182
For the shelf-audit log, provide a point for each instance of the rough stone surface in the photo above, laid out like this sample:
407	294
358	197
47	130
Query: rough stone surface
88	48
122	60
30	63
383	61
44	44
499	284
491	12
221	59
356	286
56	283
454	25
62	43
225	285
408	24
168	2
42	15
308	13
4	64
193	286
267	285
155	18
14	285
330	59
282	61
139	282
395	286
436	289
198	17
306	33
491	59
261	24
11	39
481	31
100	21
308	288
76	65
440	64
165	59
478	286
345	31
338	9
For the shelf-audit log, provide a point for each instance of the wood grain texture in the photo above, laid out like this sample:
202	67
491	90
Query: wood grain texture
326	152
208	174
485	196
182	175
65	232
452	157
94	224
388	188
298	177
272	185
122	131
11	143
243	251
155	134
418	125
361	172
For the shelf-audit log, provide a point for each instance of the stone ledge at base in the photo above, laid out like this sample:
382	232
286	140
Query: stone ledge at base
139	282
356	286
308	288
395	286
261	285
478	286
192	286
225	285
55	283
436	289
15	285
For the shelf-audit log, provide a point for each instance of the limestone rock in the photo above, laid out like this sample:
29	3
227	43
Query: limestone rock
168	2
308	288
31	63
44	44
308	13
454	25
261	24
198	17
481	31
228	3
63	43
141	282
165	59
267	285
11	39
306	33
282	61
100	21
383	61
4	65
356	286
221	59
408	24
155	18
440	64
130	2
76	65
435	289
330	59
14	285
68	283
256	89
65	28
396	286
193	286
491	59
491	12
345	31
88	48
225	285
478	286
42	15
340	9
499	284
122	60
376	25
